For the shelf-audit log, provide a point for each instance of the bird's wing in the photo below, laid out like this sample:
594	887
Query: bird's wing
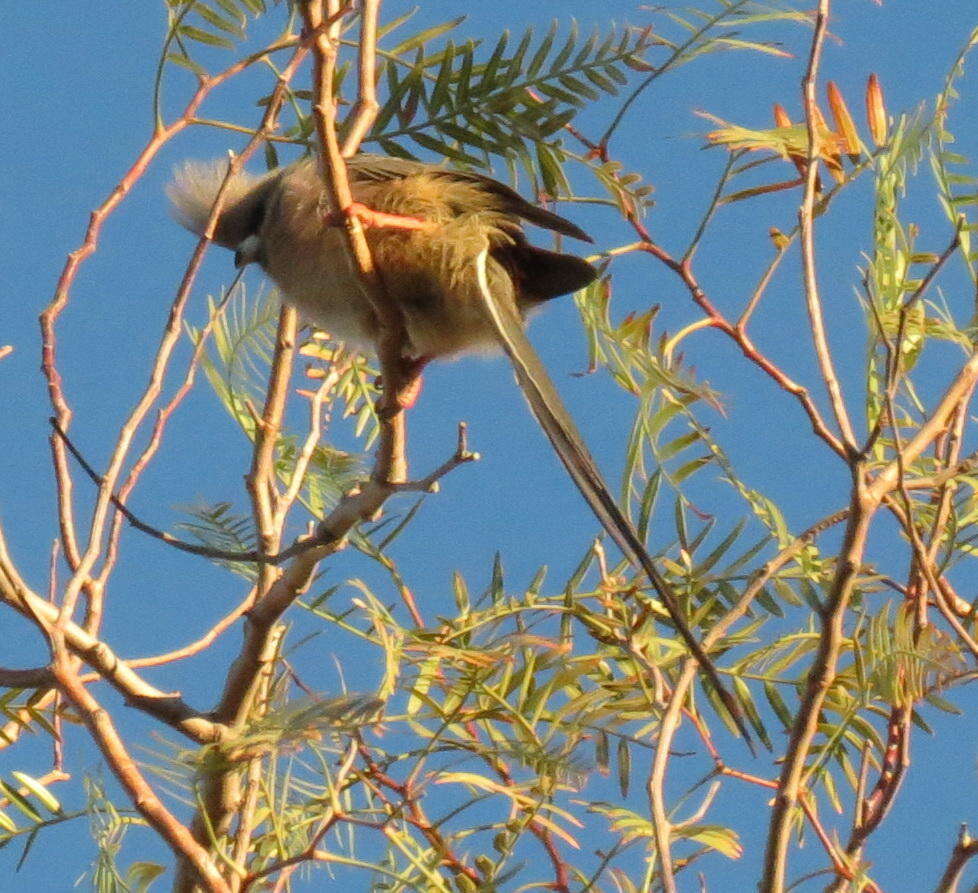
383	167
553	417
514	203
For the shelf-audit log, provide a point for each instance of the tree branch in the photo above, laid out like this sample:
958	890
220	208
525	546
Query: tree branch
964	850
821	677
166	707
806	219
100	726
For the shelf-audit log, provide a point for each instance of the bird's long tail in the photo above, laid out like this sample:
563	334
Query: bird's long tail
553	417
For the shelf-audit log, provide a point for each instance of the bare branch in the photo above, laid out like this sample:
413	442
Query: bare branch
806	219
365	112
325	531
99	724
821	676
49	318
166	707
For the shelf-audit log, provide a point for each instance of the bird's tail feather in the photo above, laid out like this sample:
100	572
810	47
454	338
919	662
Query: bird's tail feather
194	188
547	274
552	416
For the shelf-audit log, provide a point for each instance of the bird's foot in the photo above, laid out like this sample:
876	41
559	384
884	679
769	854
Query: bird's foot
412	381
409	395
381	219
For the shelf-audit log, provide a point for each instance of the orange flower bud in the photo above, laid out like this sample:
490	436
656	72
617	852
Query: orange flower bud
781	118
876	110
844	125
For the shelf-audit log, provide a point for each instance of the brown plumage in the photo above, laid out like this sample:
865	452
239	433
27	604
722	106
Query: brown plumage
278	221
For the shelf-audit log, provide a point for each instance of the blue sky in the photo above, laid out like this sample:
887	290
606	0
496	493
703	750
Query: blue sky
75	101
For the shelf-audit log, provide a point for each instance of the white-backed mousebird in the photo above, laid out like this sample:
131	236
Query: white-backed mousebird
464	280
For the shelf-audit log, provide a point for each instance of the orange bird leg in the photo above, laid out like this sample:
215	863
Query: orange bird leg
412	368
381	219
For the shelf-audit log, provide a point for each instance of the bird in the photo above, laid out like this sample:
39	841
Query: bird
455	258
278	221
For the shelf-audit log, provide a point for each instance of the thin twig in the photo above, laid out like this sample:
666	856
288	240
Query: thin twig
325	532
806	219
671	717
93	608
875	806
301	464
171	334
743	341
765	281
49	318
365	112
